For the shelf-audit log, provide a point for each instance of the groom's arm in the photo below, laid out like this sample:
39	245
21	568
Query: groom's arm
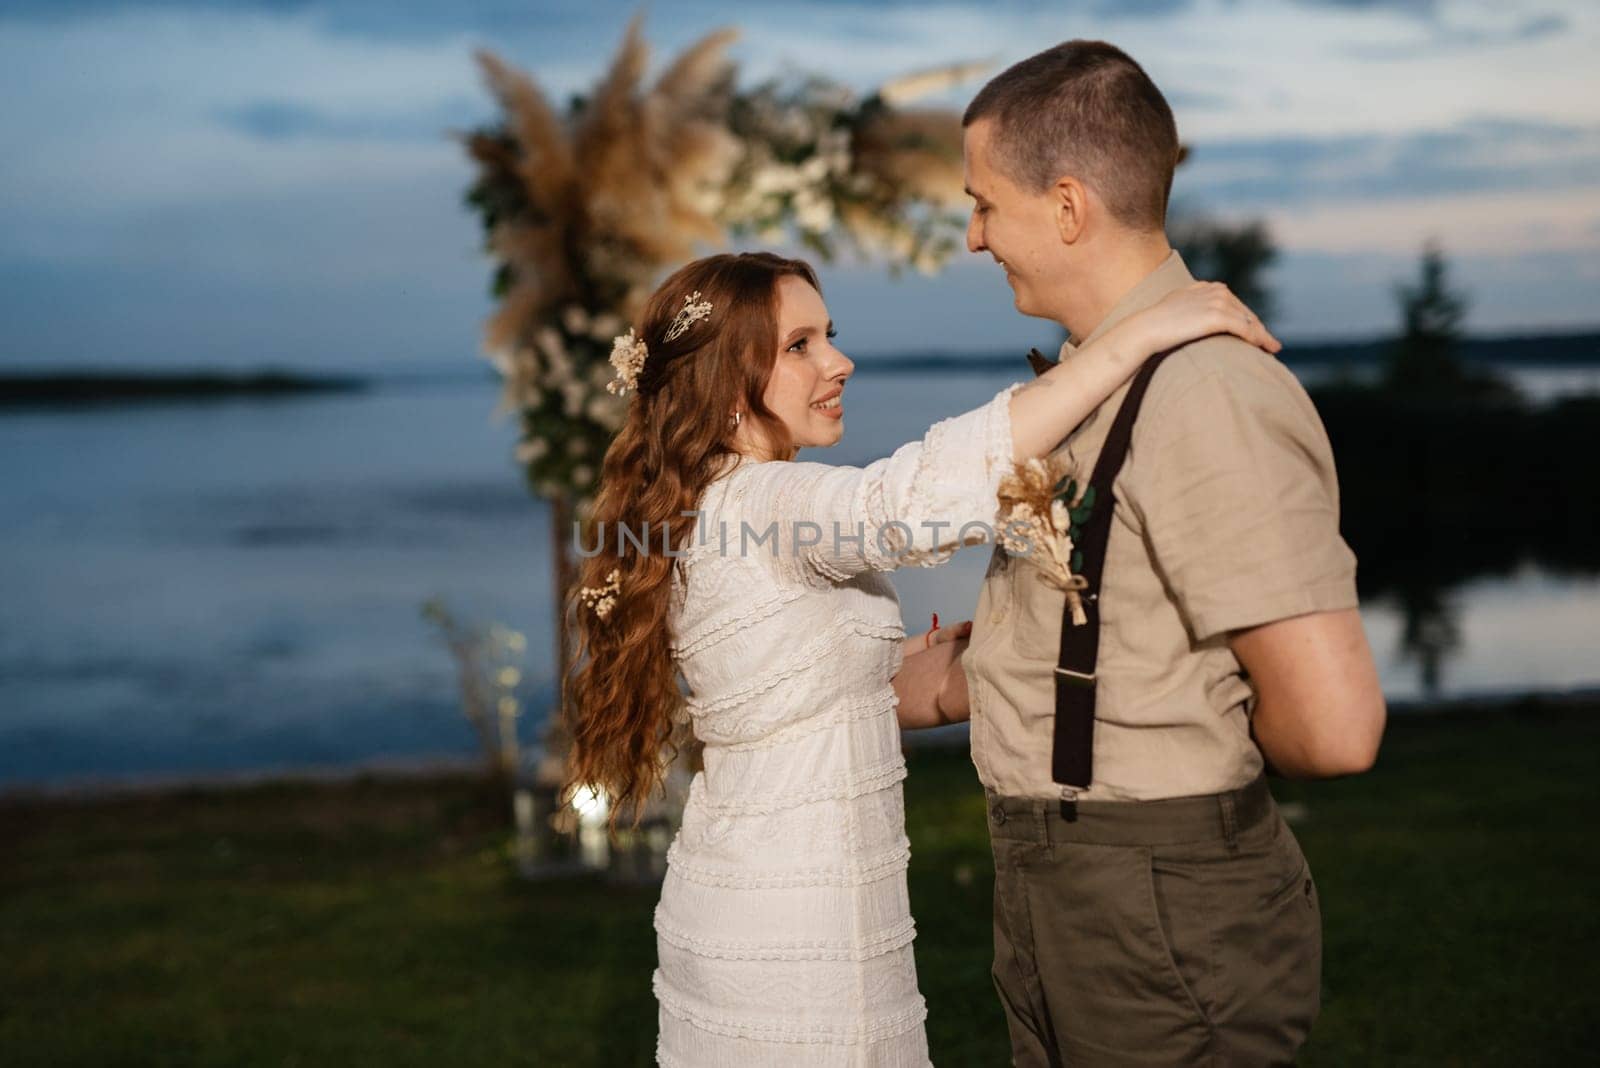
1319	709
1233	476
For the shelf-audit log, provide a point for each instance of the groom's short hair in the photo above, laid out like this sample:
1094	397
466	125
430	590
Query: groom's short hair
1084	108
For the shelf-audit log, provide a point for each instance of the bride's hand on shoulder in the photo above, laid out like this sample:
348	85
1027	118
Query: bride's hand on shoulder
1196	311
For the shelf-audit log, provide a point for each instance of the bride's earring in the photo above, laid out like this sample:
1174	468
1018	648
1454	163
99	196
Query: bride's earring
736	417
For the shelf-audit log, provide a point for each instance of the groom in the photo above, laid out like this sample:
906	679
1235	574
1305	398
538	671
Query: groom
1163	914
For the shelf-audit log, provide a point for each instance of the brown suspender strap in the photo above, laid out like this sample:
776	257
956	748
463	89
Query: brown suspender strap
1072	756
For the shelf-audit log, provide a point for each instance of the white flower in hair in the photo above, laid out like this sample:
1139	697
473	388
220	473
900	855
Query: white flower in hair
603	598
688	315
628	352
627	356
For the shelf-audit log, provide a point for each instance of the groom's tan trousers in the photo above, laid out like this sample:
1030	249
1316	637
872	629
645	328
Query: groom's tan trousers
1175	932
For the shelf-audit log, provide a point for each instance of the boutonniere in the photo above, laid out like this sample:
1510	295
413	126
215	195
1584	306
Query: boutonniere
1042	513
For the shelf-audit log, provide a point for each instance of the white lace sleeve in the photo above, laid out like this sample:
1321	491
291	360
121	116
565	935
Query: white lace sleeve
817	523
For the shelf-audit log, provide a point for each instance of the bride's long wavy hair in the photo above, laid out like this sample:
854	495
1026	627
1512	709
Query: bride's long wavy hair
623	694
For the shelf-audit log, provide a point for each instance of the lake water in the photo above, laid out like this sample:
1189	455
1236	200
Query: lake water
237	586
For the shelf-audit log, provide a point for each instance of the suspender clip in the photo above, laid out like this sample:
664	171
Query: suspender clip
1069	804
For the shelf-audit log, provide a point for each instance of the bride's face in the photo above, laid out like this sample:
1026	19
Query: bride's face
807	384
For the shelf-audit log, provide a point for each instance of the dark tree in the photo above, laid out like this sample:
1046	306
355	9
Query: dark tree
1236	255
1423	360
1425	364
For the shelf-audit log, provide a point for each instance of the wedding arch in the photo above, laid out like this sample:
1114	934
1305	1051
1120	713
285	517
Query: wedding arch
585	207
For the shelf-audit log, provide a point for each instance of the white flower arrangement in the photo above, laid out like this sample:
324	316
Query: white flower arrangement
811	159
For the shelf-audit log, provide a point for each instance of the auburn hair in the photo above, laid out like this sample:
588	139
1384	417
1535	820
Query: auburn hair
623	695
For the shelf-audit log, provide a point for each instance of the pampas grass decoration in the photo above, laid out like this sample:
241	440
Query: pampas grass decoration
584	208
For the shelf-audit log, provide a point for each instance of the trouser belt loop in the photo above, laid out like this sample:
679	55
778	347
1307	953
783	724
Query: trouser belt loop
1230	821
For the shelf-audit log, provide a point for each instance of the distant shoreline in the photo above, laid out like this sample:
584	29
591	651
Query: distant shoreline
83	388
19	388
1511	350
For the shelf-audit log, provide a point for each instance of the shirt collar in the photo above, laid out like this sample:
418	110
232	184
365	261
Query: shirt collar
1171	274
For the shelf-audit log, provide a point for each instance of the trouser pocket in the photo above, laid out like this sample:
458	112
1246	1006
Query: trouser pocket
1108	973
1016	971
1268	923
1183	905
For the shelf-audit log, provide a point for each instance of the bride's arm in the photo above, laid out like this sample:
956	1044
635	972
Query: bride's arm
1046	410
821	524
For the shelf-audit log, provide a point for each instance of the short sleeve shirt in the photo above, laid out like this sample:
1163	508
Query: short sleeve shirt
1226	517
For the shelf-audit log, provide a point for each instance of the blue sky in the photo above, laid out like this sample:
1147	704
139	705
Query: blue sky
241	184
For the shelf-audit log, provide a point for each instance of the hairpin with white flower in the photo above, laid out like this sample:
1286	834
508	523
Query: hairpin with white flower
628	352
688	315
627	356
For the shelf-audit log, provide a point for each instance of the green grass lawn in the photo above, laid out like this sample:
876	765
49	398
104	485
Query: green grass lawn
379	922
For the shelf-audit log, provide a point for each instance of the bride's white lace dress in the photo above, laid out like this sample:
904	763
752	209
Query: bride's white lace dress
784	931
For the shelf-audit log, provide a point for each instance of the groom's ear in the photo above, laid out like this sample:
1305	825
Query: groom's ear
1071	202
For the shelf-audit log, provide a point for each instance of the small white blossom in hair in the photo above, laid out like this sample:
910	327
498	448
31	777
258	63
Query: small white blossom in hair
627	356
688	315
603	598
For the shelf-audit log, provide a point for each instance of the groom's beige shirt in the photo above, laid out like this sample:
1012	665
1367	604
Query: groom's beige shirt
1227	517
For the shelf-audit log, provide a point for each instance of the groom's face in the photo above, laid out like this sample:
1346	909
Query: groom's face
1014	226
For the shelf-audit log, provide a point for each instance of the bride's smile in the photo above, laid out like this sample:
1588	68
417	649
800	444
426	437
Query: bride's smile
831	405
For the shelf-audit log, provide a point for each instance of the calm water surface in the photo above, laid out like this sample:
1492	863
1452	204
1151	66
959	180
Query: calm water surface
238	585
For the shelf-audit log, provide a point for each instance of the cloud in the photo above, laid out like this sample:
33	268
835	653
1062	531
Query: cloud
1489	224
1415	7
364	16
1473	156
403	17
188	111
1536	27
1444	37
287	120
1197	100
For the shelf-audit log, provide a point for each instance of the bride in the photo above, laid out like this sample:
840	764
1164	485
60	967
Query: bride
784	931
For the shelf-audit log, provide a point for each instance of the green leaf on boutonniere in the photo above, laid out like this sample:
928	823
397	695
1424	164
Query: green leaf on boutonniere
1081	512
1077	562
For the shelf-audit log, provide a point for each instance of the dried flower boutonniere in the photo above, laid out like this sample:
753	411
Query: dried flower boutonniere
1042	513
